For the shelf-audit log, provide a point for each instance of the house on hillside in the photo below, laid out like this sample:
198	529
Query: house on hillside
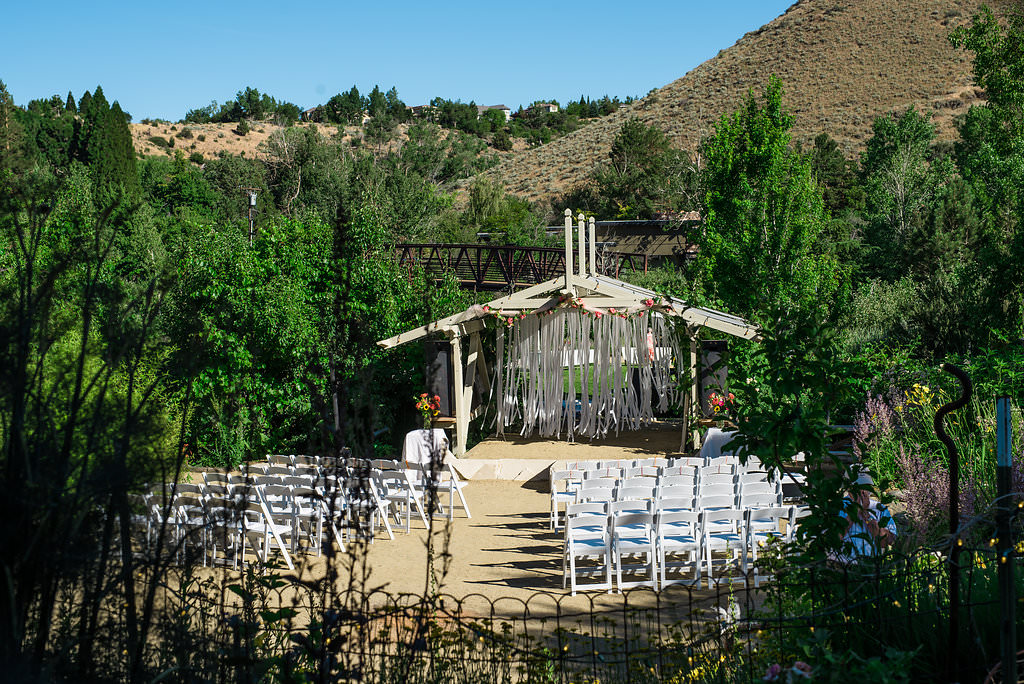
548	107
481	109
418	110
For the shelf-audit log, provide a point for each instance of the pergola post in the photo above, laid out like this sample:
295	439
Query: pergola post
568	250
695	405
461	407
593	247
581	236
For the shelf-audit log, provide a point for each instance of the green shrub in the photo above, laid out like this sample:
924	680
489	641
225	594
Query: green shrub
201	138
196	158
184	133
161	141
242	128
502	141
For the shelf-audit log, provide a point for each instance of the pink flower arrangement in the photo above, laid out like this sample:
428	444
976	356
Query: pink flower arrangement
721	403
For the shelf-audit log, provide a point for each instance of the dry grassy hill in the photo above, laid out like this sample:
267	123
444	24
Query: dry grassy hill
210	139
842	62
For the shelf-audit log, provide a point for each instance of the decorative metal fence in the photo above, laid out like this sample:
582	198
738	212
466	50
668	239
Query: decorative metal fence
273	627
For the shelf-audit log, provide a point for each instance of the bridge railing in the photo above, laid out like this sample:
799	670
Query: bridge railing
504	267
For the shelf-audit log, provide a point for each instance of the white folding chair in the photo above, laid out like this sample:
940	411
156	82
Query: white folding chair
598	489
633	535
715	475
683	495
682	463
220	478
445	479
724	533
262	531
797	513
564	484
763	525
677	533
394	487
223	528
657	462
635	492
587	537
760	495
189	521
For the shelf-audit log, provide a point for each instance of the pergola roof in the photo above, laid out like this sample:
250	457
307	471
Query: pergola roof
597	293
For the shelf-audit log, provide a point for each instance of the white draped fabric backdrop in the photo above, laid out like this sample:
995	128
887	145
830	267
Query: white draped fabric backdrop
620	363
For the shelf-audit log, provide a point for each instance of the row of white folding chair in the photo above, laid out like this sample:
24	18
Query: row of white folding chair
610	534
429	480
191	520
301	460
305	493
609	490
569	486
615	463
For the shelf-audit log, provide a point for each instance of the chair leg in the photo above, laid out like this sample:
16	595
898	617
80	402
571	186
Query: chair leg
465	506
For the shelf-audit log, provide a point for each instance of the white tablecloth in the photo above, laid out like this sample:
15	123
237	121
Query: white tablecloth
714	441
421	444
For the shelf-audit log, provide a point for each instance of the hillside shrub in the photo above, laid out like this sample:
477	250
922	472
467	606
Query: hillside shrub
184	133
196	158
161	141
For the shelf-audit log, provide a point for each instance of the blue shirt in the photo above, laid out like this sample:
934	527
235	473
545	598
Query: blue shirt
863	543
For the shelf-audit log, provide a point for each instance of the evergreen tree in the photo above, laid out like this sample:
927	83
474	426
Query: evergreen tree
377	103
835	173
70	104
84	102
631	183
103	142
13	156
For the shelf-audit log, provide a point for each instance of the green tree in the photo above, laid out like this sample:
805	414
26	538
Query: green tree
10	130
103	142
836	175
501	140
990	156
901	181
763	242
396	109
991	150
631	184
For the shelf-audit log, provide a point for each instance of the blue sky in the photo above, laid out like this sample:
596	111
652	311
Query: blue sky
161	59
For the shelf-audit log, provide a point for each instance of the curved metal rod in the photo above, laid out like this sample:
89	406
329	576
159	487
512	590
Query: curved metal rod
966	388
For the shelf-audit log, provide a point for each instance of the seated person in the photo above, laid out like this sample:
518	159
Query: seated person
870	529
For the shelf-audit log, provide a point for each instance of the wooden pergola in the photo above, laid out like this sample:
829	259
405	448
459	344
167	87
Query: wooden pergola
580	288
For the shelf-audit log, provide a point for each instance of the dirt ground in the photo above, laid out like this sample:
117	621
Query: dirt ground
506	550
